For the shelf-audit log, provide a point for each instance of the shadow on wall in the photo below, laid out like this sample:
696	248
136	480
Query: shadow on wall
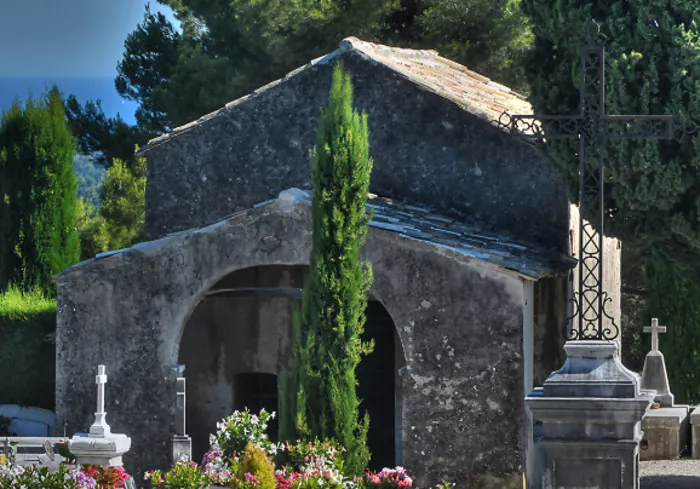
238	339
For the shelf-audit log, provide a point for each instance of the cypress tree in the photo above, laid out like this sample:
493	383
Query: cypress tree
319	398
38	227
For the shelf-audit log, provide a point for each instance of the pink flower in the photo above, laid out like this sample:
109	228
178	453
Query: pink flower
252	479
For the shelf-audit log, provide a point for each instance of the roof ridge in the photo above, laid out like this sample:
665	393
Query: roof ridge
354	43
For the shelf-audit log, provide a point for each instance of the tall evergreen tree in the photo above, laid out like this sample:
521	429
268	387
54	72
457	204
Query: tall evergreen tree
319	394
38	232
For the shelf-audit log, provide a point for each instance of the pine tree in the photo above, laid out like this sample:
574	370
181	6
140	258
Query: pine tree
38	214
319	397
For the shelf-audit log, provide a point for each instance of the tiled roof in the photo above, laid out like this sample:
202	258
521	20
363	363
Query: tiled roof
409	222
422	224
474	92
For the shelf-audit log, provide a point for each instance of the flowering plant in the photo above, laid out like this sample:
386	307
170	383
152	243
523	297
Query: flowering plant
106	477
311	465
307	457
218	468
234	432
185	475
388	479
34	477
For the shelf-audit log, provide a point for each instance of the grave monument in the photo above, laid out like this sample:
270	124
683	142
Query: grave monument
591	409
666	425
100	446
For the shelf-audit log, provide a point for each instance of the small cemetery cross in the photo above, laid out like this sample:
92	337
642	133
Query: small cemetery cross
100	426
101	380
654	329
592	127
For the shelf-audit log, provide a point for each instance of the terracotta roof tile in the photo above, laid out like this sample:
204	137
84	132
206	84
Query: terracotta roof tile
473	91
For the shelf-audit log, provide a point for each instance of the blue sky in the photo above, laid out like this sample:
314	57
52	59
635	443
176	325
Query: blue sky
66	38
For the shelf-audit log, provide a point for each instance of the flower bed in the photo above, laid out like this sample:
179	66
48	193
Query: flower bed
66	477
241	456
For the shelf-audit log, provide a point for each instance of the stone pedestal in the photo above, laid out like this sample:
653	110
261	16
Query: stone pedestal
106	451
695	432
666	433
591	412
182	448
655	377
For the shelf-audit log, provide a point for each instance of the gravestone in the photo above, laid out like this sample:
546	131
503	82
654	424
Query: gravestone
666	426
591	411
100	446
654	375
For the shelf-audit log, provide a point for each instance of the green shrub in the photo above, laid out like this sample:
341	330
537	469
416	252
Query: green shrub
259	464
27	348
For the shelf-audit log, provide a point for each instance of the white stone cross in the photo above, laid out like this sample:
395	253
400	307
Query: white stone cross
654	329
100	428
101	380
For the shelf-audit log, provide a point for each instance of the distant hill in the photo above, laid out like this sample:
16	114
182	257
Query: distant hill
90	176
84	88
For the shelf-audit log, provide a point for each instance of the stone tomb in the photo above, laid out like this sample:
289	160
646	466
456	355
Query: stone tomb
665	425
695	427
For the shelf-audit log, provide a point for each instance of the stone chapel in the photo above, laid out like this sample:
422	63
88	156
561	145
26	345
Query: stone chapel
472	245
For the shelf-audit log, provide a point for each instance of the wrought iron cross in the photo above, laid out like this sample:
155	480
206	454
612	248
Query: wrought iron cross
592	127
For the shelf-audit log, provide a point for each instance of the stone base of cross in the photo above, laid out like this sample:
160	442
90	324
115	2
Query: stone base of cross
654	375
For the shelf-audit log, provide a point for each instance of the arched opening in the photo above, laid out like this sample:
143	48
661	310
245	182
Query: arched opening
239	338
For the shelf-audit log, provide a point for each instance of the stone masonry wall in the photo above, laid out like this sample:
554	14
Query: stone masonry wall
426	150
462	387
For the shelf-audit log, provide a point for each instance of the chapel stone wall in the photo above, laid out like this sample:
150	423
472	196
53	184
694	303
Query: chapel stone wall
426	150
462	388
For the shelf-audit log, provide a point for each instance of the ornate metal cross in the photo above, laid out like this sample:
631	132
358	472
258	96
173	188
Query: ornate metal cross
654	329
592	127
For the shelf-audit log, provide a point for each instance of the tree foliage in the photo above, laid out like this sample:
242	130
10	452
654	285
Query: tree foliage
227	48
120	219
319	397
38	193
675	301
653	187
103	138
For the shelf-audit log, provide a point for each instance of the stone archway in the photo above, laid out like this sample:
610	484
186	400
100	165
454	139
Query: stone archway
238	339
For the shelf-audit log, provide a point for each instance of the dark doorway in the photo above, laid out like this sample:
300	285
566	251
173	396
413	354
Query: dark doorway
376	376
257	391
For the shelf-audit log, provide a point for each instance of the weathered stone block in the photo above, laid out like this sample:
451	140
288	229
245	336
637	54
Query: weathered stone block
666	433
695	426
